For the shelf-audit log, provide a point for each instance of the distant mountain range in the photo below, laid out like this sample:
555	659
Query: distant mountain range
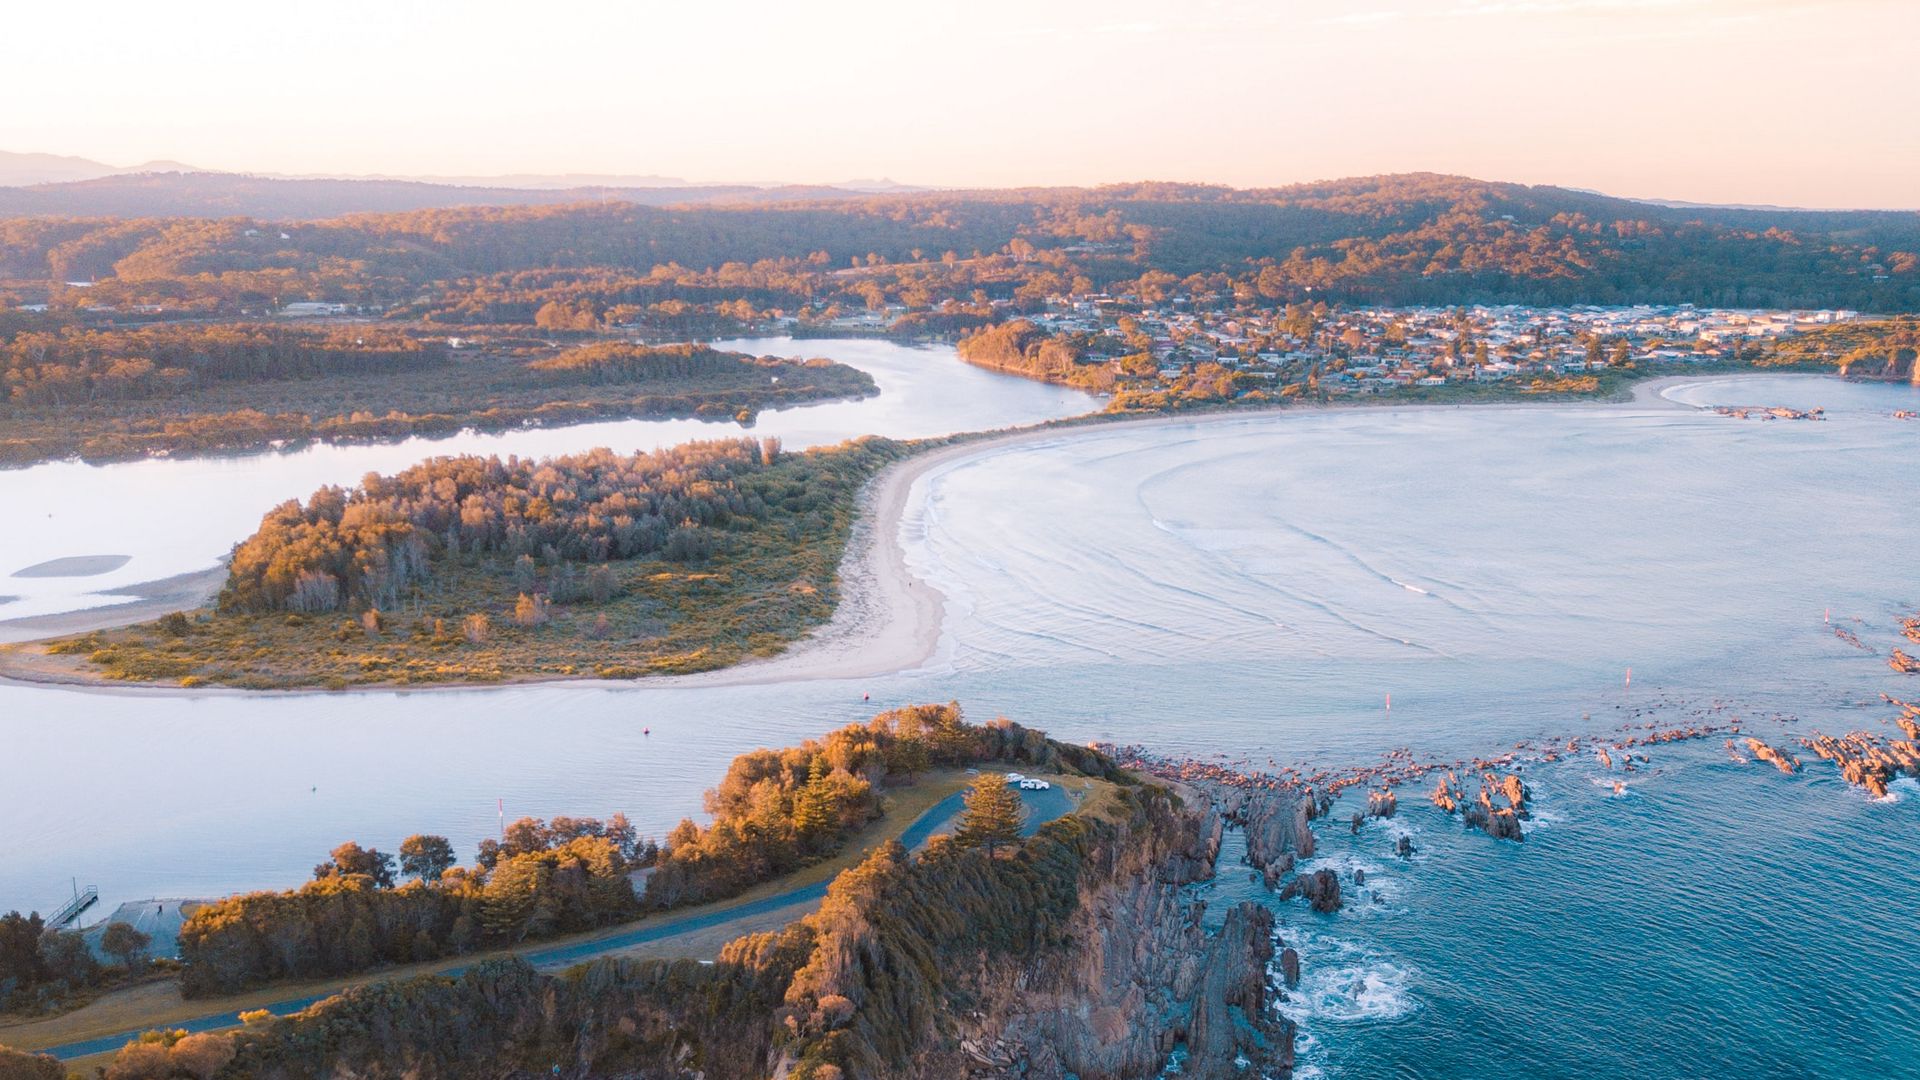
20	170
36	184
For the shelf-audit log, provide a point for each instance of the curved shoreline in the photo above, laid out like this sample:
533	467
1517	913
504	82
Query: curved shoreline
887	619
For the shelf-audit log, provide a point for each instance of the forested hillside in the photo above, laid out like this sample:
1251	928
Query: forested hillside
1416	238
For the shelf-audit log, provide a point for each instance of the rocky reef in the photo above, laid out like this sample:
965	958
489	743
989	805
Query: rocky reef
1872	761
1867	760
1761	412
1497	810
1773	756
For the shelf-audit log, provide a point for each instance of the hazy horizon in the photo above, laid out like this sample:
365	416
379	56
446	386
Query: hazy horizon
1714	101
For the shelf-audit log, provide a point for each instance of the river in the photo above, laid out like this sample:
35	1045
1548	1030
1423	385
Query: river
174	516
1256	588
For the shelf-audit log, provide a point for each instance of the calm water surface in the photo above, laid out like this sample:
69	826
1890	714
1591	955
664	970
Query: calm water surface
175	516
1255	589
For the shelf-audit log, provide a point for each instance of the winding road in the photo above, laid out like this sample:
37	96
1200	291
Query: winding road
1042	807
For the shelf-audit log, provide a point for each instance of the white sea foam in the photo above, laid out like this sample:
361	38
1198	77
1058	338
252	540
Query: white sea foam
1899	789
1545	819
1344	981
1344	863
1350	993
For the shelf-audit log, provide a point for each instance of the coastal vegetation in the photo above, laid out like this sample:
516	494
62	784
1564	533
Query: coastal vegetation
777	810
869	985
115	393
1879	349
48	970
17	1065
483	569
563	877
774	812
41	968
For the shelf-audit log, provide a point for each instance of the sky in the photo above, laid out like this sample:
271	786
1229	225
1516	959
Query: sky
1788	102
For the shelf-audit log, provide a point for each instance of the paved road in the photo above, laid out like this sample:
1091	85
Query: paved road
1042	807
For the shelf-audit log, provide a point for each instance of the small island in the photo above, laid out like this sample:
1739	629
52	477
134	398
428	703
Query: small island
478	569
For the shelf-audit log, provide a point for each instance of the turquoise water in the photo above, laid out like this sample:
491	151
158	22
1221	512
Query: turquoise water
1255	589
1715	921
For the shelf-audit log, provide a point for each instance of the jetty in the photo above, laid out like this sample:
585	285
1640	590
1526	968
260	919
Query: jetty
71	910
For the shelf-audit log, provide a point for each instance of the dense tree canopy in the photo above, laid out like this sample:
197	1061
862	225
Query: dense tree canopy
1416	238
778	809
366	547
74	366
351	918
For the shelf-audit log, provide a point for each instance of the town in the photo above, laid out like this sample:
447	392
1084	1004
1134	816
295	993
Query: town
1371	350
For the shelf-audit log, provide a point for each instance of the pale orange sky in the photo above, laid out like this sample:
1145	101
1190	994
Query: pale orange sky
1802	102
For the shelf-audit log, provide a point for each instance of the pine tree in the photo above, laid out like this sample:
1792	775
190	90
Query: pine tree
992	815
812	810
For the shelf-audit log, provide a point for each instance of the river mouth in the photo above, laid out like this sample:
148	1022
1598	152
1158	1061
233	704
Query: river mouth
1254	588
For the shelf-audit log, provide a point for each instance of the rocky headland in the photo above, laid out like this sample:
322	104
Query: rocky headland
1081	953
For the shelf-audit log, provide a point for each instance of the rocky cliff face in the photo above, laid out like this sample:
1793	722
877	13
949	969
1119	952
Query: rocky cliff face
1145	981
1278	827
1894	365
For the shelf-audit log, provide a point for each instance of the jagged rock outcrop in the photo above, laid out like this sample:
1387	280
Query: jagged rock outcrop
1321	889
1230	1010
1498	810
1290	967
1779	759
1498	822
1895	364
1383	803
1870	761
1277	829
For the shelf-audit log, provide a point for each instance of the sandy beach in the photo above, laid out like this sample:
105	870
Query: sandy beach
152	599
888	620
74	566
